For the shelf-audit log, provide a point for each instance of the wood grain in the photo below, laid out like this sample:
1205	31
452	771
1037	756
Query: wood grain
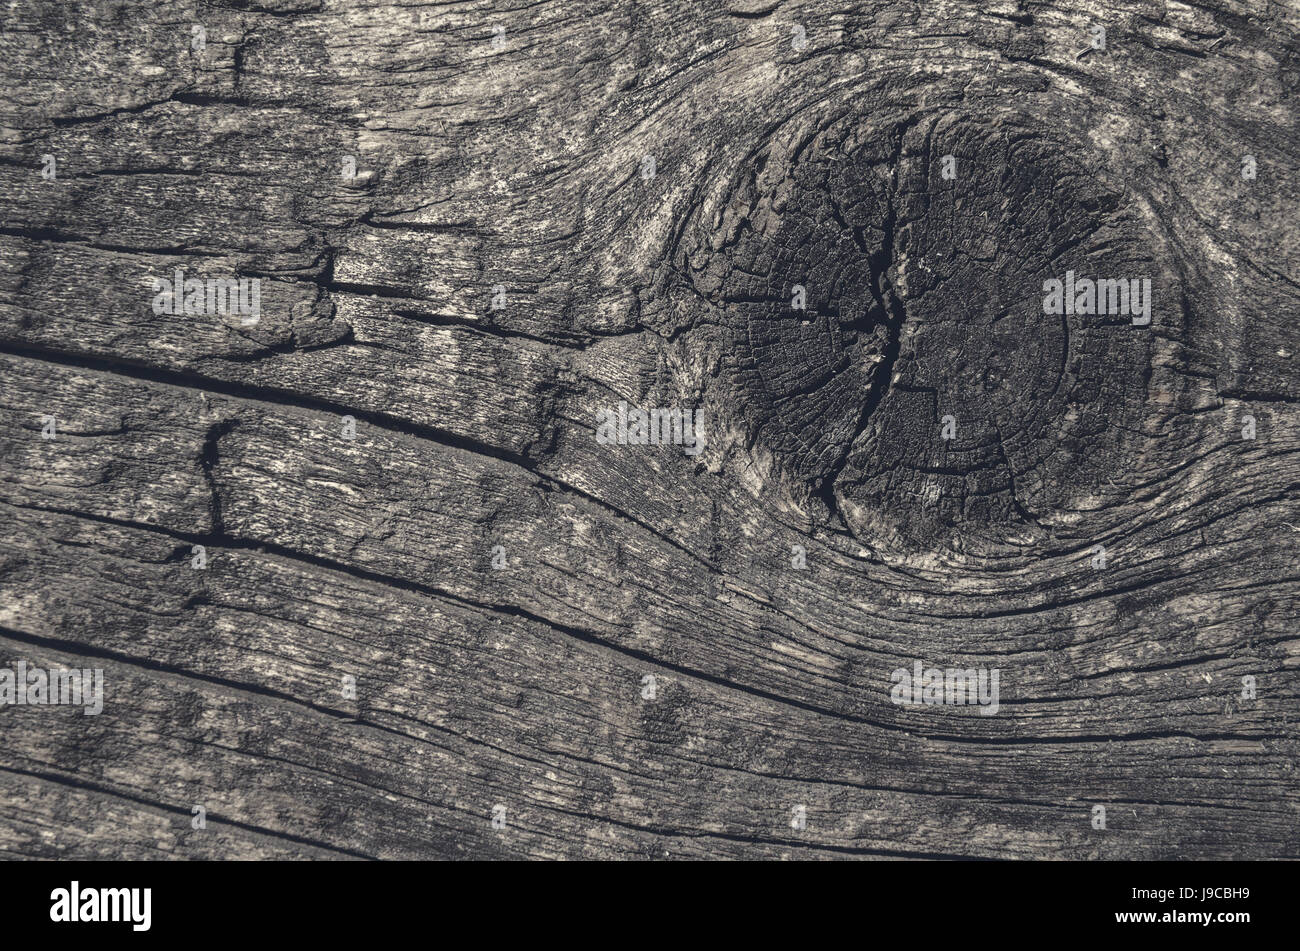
513	163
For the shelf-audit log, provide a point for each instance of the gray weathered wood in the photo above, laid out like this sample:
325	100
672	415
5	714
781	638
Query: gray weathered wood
521	164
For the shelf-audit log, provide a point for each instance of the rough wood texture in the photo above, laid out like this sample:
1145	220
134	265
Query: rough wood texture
792	144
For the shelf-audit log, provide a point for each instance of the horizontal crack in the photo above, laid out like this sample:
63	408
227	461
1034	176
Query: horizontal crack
276	399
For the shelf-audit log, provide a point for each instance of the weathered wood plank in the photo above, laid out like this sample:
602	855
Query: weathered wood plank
473	706
564	207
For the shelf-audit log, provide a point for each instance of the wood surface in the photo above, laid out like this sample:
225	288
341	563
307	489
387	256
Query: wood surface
503	267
